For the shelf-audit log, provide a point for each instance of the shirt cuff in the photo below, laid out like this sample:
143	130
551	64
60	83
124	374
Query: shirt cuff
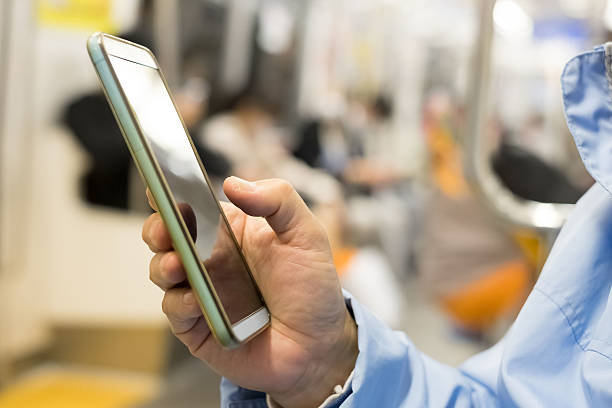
340	393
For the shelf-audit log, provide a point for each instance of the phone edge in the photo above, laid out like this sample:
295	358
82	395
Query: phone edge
221	330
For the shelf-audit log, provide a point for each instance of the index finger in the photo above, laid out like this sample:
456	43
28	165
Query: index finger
151	200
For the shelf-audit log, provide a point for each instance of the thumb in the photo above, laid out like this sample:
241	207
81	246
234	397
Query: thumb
276	201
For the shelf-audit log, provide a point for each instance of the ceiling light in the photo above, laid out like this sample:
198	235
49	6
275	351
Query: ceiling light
512	21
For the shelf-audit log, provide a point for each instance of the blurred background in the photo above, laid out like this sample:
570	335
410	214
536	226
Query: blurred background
428	136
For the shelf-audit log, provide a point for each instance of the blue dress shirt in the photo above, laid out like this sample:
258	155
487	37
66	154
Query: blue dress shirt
558	352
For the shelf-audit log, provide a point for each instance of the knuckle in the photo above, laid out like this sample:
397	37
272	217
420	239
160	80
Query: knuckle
193	349
148	229
166	304
284	187
145	231
170	267
154	269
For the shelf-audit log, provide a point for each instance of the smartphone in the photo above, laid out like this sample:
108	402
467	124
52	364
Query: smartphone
165	155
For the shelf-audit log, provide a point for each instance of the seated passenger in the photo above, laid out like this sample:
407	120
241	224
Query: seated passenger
247	137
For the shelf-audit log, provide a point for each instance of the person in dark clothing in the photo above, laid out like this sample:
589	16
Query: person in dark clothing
531	178
106	182
308	148
91	120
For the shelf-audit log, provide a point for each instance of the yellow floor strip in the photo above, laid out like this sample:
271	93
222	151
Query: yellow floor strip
67	389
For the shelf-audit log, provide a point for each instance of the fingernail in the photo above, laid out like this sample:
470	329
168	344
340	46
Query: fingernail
239	184
188	298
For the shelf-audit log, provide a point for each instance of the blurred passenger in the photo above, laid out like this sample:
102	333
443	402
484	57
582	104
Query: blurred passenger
308	146
108	180
92	123
469	261
363	269
91	120
358	146
376	161
383	203
530	175
247	136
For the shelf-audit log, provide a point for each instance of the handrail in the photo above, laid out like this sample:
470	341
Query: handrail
478	171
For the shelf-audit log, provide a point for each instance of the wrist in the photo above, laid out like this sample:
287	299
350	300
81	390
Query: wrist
331	369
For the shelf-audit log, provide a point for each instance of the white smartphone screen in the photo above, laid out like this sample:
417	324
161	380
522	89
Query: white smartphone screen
166	136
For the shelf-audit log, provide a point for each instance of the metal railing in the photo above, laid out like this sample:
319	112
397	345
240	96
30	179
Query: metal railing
479	173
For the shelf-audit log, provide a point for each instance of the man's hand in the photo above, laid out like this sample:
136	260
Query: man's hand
311	344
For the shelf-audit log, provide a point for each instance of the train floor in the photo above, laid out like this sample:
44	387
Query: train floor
188	383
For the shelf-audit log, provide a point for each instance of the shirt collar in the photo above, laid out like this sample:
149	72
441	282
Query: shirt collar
587	90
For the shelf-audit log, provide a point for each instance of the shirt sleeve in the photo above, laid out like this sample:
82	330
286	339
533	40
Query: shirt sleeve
391	372
233	396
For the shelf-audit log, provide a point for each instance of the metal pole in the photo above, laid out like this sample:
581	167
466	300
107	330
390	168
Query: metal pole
5	36
17	55
166	35
524	213
302	10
